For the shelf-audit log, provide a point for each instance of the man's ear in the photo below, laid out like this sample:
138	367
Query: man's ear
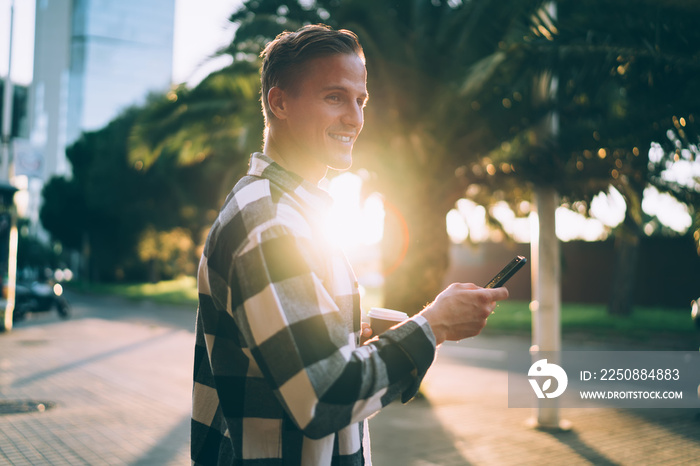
276	98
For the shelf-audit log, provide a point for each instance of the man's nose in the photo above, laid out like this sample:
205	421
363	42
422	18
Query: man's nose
354	116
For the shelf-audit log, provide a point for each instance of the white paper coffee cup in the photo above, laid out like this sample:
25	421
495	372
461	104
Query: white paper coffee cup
381	319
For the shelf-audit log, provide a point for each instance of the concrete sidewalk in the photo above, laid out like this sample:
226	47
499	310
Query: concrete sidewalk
464	419
117	392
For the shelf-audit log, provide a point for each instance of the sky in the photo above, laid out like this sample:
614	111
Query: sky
201	27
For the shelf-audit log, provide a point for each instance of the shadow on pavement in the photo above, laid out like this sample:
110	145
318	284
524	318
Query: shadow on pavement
168	447
679	422
573	441
89	360
411	434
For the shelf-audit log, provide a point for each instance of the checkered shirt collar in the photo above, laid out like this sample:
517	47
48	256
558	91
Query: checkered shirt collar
313	197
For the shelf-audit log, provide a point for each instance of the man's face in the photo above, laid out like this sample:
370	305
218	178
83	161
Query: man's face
324	110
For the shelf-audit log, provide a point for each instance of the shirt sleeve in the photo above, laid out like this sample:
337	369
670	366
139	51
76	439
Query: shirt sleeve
302	345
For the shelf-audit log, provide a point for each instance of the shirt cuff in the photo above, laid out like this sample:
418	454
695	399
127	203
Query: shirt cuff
416	339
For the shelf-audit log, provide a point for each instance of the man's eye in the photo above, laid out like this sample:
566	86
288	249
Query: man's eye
333	98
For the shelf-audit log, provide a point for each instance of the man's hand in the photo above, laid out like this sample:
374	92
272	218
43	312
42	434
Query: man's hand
461	310
366	333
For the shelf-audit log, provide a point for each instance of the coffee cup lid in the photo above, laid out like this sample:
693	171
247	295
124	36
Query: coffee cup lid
387	314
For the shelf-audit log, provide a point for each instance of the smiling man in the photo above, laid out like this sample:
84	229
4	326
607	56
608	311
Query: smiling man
315	118
282	374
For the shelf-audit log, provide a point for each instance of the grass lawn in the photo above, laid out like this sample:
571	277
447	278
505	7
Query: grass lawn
592	322
580	321
182	290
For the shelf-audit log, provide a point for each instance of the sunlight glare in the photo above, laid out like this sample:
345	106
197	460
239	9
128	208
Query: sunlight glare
684	172
351	224
468	220
609	208
476	219
667	209
571	225
457	228
517	227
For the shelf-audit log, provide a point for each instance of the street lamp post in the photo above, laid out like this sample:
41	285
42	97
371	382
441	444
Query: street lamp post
8	218
7	105
546	266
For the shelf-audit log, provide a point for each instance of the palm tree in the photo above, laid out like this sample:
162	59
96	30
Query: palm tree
218	121
627	76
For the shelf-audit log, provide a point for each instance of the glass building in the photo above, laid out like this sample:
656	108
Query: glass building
92	59
119	51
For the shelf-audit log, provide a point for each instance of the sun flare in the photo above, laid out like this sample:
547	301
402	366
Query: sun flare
352	223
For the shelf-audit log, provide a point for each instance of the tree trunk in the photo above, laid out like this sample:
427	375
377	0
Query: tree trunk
546	296
415	253
153	271
622	290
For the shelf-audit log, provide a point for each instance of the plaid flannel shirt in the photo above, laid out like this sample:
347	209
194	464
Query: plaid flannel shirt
279	377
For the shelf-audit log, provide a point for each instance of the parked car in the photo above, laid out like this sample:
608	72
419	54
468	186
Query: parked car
39	297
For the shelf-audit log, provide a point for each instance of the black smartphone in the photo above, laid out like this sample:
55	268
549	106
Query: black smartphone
507	272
